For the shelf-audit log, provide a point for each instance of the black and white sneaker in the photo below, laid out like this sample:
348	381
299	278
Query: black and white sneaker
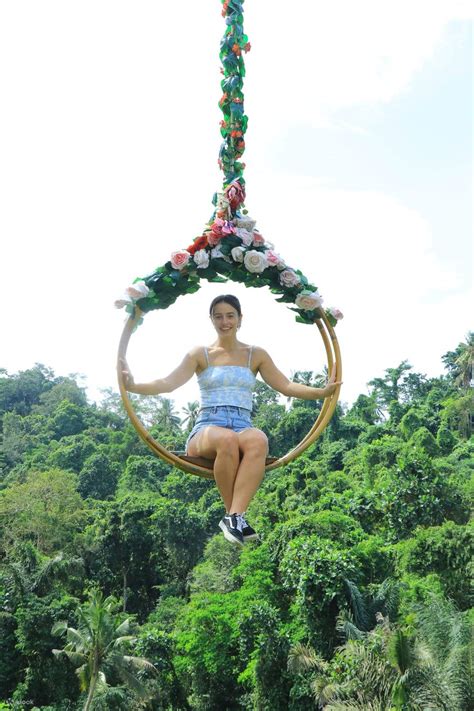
231	525
248	533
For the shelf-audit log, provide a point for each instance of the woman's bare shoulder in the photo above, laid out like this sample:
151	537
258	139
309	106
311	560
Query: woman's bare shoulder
197	354
259	355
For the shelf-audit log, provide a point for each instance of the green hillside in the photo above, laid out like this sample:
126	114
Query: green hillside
358	596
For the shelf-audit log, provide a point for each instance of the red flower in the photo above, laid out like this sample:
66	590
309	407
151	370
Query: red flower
248	47
199	243
236	50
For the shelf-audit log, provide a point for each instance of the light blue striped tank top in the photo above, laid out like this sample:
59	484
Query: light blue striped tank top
227	384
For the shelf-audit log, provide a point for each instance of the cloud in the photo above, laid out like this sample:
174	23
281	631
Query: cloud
315	58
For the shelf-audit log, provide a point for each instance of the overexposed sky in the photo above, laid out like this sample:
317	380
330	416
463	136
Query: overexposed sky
359	169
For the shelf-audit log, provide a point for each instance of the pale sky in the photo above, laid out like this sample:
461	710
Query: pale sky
359	170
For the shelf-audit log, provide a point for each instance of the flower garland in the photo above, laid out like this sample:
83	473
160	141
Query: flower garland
230	246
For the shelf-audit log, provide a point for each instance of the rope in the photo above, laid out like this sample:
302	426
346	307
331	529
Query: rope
234	124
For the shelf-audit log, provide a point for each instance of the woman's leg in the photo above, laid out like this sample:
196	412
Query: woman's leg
222	445
253	446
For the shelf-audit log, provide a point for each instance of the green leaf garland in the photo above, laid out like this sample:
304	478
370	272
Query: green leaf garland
230	247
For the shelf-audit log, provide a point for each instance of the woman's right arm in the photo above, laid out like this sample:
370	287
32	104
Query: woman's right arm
178	377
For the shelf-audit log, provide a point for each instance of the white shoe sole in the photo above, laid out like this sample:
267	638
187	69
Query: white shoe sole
228	536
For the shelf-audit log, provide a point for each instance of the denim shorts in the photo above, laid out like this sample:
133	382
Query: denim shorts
233	418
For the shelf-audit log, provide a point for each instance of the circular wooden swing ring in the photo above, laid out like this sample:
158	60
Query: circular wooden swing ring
203	467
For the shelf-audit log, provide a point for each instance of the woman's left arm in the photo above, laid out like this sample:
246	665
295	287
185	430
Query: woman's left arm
278	381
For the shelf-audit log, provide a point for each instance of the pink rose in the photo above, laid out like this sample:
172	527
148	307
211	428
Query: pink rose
336	313
235	194
308	300
213	239
274	259
289	278
138	290
258	240
219	229
180	258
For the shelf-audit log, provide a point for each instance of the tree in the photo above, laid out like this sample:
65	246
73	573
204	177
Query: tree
98	477
389	389
459	362
19	392
46	509
68	419
166	416
386	668
191	412
98	647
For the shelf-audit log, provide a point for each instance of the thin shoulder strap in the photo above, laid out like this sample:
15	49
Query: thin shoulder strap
207	355
250	356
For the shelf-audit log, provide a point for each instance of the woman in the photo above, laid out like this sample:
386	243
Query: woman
226	373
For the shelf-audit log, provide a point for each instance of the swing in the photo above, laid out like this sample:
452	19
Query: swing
230	248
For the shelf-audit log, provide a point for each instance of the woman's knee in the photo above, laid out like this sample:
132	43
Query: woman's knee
254	442
227	443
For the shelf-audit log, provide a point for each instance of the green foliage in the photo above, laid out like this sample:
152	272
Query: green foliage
44	680
446	440
98	648
411	422
423	440
207	649
141	474
313	572
448	551
367	525
98	477
416	495
46	510
68	419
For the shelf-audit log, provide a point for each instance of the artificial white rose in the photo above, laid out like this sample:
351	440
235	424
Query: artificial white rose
244	235
336	313
255	262
201	258
238	254
246	222
309	300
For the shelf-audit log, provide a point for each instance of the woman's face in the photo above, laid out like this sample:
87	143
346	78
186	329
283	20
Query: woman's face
225	318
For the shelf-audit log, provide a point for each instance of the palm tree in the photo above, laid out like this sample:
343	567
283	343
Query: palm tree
97	647
166	416
460	362
191	411
432	670
34	573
